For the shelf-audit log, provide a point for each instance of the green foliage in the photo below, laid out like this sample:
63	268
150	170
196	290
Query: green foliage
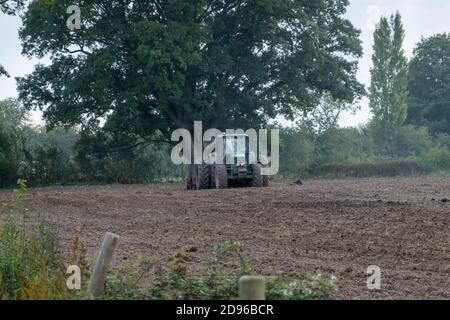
103	158
220	282
65	156
303	150
443	140
343	152
173	282
13	112
11	117
437	157
151	68
388	89
326	115
296	151
339	145
314	288
429	86
48	156
9	153
31	265
411	141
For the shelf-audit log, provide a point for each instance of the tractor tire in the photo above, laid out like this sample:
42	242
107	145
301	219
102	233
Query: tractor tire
188	176
221	177
212	177
203	180
257	181
265	181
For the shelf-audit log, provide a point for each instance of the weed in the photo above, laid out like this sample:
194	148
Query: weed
220	282
31	265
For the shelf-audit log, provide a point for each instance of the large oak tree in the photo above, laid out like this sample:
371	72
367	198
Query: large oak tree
156	65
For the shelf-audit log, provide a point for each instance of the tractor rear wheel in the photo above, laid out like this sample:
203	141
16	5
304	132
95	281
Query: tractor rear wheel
188	176
221	177
265	181
257	181
203	177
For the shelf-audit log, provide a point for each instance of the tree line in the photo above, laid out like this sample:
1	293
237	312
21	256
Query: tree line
409	132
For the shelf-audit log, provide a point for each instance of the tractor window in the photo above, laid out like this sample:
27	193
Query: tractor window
229	146
240	146
236	146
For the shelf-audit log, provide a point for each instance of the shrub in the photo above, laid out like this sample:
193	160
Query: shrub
443	140
101	158
383	168
220	282
437	157
314	288
411	141
296	151
48	156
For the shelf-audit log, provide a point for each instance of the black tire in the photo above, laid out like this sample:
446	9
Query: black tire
188	176
203	177
221	177
265	181
257	181
212	177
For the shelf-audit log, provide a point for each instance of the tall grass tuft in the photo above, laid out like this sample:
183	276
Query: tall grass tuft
31	264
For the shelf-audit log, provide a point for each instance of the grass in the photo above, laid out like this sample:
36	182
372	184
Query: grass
31	265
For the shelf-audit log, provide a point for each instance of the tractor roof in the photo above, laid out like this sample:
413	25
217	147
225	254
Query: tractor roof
234	135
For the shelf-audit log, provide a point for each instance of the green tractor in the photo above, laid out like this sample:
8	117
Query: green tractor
236	170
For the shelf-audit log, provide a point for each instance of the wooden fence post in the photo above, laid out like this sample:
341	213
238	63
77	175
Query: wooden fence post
252	288
98	278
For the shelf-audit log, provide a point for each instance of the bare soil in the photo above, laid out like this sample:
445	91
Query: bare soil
335	227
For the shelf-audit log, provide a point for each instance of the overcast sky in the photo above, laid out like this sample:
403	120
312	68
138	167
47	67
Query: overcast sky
421	18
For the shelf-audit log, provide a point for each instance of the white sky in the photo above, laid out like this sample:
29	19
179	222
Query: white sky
420	18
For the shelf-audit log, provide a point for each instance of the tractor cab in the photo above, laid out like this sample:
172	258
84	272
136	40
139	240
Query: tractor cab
235	149
234	168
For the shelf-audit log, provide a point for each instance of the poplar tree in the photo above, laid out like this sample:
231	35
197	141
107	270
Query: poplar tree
388	91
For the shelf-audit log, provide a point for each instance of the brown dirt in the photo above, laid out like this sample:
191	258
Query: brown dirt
336	227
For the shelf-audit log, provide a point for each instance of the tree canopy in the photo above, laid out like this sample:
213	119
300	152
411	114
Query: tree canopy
429	84
14	112
156	65
326	115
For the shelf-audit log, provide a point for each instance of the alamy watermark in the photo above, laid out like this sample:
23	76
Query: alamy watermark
74	20
245	147
73	282
374	280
